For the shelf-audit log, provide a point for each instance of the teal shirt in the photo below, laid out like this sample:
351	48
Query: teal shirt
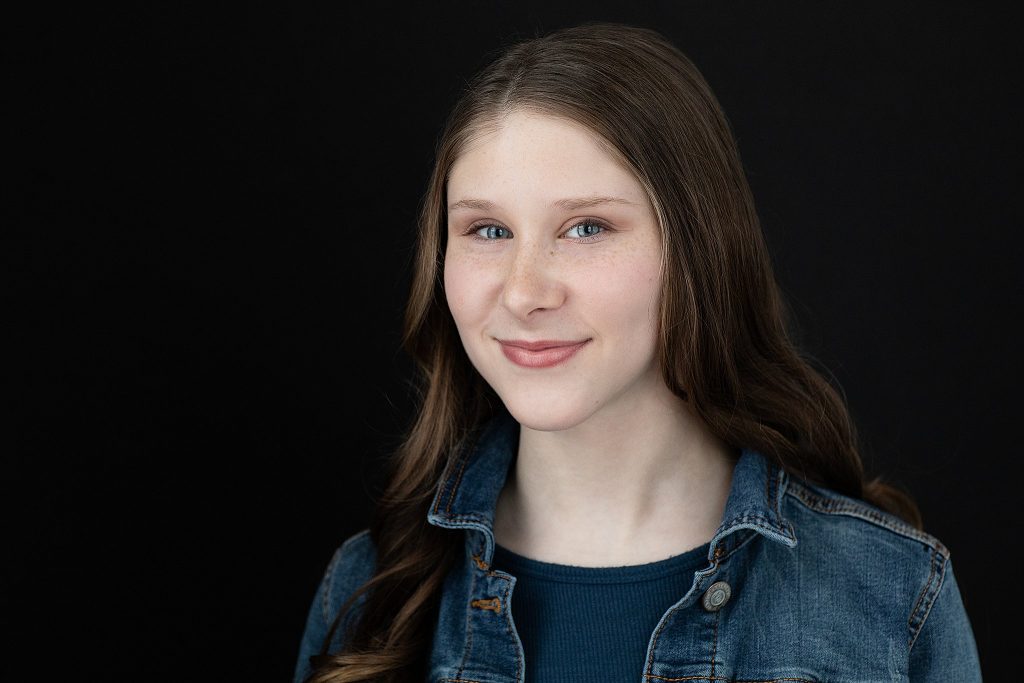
591	624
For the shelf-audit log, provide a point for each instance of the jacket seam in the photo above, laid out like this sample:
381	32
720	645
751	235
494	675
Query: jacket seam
508	628
468	516
468	651
462	453
714	649
756	516
926	600
744	541
769	482
669	615
850	508
463	461
714	678
445	482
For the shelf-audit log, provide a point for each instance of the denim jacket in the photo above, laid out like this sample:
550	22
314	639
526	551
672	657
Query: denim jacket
802	584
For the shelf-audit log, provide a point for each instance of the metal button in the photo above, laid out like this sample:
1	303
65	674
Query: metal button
716	596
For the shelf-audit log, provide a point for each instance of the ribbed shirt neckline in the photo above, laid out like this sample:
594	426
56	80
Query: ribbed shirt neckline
689	561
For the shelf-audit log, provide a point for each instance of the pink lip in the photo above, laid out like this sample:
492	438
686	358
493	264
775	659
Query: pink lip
540	354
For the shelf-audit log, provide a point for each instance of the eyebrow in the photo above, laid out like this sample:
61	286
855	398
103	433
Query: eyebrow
568	204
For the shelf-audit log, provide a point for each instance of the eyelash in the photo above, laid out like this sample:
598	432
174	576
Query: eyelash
471	231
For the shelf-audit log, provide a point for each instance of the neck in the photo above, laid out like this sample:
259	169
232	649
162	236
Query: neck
636	489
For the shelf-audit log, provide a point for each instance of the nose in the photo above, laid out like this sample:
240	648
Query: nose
534	281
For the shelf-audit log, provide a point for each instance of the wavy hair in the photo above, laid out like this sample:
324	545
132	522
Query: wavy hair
724	341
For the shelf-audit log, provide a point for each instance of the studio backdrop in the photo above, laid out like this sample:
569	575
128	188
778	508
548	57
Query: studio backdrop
205	266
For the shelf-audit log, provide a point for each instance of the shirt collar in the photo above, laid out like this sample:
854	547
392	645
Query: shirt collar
468	491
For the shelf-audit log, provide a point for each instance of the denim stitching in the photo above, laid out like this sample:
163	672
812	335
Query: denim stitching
508	628
931	601
836	506
780	483
664	623
462	456
469	631
455	487
730	553
924	591
756	517
766	526
714	647
469	627
467	653
458	481
728	680
750	516
444	492
469	516
654	644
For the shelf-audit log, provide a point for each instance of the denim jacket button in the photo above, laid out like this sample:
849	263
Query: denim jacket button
716	596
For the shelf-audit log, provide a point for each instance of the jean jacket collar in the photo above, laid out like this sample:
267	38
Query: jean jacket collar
467	494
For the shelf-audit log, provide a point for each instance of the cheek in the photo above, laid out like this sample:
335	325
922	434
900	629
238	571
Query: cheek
459	287
628	298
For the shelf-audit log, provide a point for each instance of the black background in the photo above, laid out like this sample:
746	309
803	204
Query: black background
205	265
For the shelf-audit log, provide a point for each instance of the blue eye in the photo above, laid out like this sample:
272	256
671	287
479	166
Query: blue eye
492	232
585	229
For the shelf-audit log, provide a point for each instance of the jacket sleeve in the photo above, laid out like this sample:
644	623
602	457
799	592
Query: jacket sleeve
944	649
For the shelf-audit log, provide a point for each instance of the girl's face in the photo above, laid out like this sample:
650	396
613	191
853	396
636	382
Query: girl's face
551	273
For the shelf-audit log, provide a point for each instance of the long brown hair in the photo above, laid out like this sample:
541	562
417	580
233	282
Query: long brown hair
724	341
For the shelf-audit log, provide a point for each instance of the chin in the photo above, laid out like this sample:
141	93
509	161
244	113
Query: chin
542	416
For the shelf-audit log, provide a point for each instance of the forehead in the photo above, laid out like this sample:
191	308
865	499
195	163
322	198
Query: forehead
539	155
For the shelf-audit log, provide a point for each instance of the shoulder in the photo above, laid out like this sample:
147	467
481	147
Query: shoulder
350	567
867	552
834	511
356	553
822	509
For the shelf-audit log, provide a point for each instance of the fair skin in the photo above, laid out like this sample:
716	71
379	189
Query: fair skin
613	468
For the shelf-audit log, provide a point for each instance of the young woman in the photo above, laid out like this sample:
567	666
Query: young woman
621	468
